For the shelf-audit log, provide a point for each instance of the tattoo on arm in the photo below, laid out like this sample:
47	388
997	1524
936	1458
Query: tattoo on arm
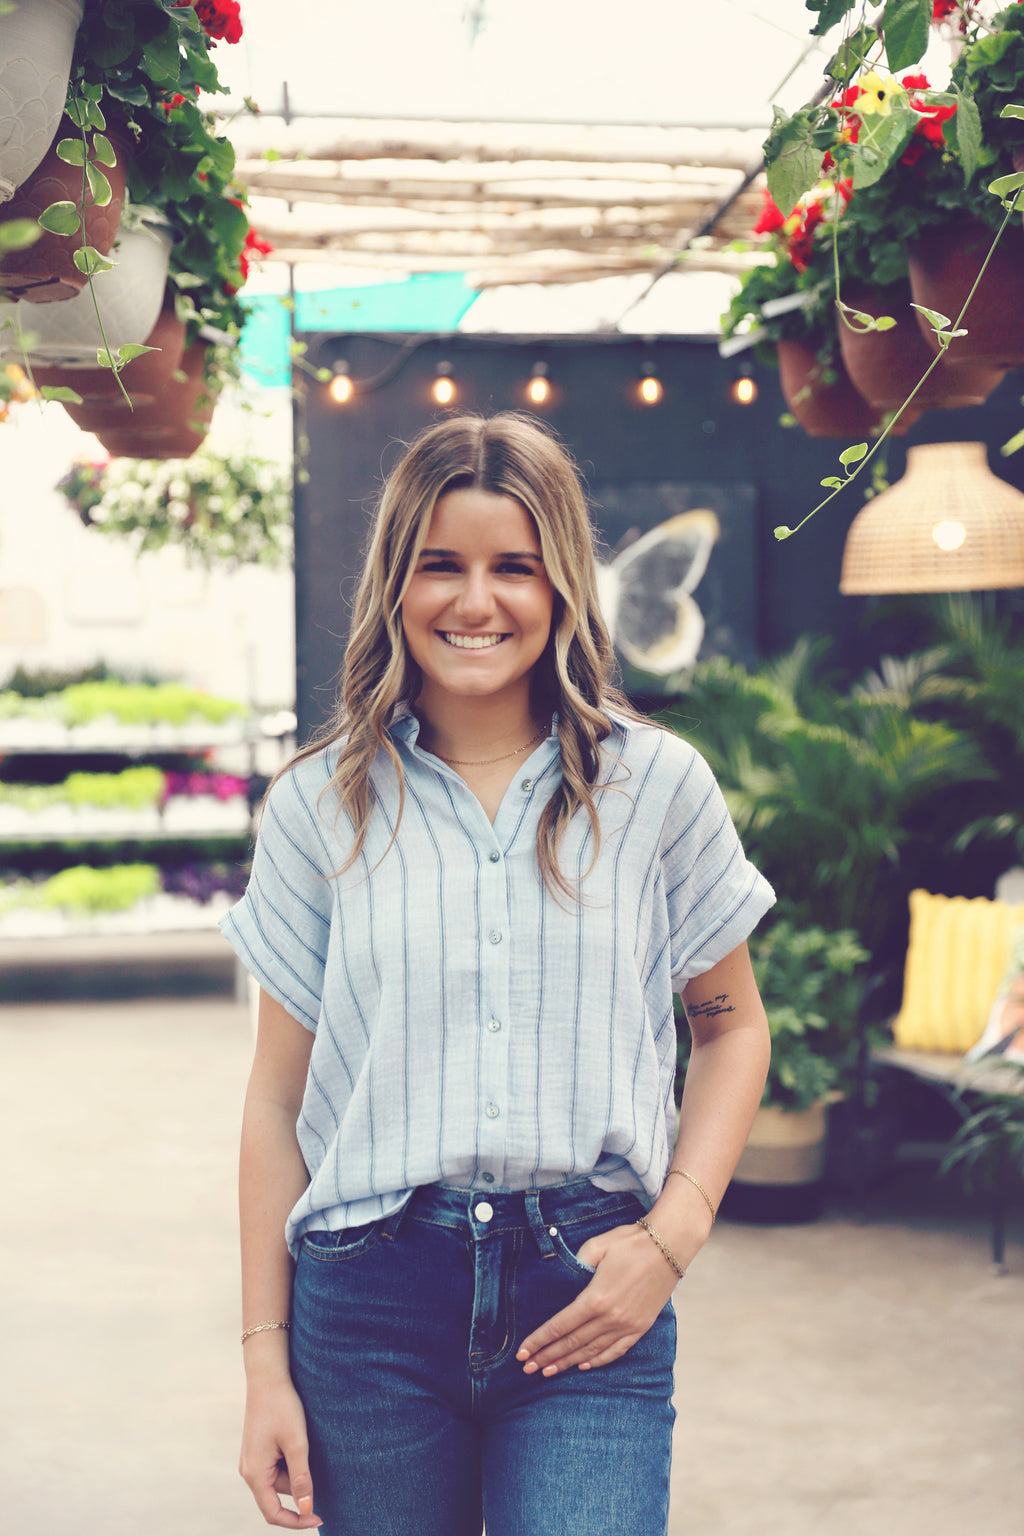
712	1008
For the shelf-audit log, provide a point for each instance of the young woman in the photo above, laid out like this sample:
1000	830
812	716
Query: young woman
469	907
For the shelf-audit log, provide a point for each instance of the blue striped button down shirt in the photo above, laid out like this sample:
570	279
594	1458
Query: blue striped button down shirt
470	1029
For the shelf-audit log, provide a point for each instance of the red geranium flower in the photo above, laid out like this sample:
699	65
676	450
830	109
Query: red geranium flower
772	217
253	248
218	18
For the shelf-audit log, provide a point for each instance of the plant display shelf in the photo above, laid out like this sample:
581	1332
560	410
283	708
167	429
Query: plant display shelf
155	914
28	735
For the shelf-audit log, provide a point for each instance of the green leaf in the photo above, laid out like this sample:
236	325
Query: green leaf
186	18
89	261
832	483
882	140
92	90
102	150
1006	184
71	151
17	234
884	322
61	219
937	321
133	349
782	533
793	159
853	455
1012	110
1015	444
851	54
78	111
963	132
99	186
831	11
161	58
135	95
905	27
93	116
62	393
104	358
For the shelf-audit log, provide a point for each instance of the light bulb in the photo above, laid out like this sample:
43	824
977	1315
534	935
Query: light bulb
743	391
443	387
949	535
538	389
341	389
650	389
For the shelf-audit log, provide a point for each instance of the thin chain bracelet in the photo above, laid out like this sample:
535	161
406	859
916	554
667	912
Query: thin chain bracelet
262	1328
682	1173
657	1238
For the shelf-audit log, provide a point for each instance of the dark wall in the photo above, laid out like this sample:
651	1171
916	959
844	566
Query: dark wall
696	434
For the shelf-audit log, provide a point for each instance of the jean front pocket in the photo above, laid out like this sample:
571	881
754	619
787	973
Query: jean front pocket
569	1237
339	1247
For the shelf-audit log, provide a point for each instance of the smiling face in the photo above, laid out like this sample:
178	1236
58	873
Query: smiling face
476	614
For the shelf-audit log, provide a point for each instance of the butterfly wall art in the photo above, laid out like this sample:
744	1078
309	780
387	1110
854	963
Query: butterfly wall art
646	592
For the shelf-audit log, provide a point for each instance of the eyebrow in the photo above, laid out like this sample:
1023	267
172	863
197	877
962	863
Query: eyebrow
453	554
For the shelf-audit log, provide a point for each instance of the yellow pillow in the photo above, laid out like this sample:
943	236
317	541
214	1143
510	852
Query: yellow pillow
956	960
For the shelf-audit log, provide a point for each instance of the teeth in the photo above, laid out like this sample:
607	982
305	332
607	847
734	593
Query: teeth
473	642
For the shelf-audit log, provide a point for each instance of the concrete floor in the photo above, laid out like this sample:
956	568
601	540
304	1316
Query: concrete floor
840	1379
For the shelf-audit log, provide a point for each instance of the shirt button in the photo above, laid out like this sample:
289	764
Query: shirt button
493	1111
494	856
494	1025
488	1178
495	937
484	1211
526	784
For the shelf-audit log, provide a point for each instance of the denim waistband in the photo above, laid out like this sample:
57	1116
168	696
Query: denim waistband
481	1213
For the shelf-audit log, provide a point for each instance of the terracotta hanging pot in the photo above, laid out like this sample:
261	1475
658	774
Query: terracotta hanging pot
175	425
822	397
37	42
45	273
128	296
886	365
145	378
943	268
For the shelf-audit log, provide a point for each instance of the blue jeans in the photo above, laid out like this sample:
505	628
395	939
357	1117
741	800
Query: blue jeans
421	1420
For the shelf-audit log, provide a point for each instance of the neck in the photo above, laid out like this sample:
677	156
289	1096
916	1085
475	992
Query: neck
475	728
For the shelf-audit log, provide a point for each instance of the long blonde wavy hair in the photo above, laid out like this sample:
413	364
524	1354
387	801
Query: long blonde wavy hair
507	455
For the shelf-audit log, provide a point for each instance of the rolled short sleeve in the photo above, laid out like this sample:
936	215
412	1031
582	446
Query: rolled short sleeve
715	896
280	929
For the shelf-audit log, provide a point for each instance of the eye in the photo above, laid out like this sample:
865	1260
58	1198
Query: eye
438	566
516	568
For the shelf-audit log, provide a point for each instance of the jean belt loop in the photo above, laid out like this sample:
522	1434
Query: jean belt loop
537	1226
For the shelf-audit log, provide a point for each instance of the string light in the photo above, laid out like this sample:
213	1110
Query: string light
443	388
539	387
341	389
743	389
651	389
949	535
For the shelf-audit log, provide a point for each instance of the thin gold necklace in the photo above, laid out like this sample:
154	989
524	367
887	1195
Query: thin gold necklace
485	762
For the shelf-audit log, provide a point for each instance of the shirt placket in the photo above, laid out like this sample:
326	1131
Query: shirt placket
493	1021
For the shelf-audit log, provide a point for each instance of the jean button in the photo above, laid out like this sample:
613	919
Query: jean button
484	1211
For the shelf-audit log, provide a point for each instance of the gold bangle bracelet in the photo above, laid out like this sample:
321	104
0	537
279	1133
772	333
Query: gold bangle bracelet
707	1198
263	1327
657	1238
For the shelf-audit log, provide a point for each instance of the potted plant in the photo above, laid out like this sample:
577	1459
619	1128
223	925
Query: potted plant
810	982
36	44
784	308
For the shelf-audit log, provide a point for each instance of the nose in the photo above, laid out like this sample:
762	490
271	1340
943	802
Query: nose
475	601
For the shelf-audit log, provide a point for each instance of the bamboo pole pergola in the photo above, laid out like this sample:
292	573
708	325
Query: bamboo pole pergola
504	202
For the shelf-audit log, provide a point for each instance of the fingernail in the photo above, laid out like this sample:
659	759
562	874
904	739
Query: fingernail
550	1370
305	1504
523	1354
529	1369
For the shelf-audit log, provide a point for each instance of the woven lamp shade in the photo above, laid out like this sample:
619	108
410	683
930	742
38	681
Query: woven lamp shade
950	525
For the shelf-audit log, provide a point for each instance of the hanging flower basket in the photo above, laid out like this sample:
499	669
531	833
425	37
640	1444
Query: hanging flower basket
943	267
175	425
886	365
821	395
145	378
129	298
45	272
37	39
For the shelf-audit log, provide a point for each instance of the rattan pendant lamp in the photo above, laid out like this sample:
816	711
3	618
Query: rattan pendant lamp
950	525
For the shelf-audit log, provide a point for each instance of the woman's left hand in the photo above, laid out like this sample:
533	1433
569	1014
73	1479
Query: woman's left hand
632	1282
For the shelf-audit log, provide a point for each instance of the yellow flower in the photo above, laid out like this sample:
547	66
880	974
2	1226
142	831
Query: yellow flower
877	95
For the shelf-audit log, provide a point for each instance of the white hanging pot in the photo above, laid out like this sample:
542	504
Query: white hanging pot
37	39
129	296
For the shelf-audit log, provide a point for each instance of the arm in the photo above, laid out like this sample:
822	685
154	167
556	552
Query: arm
724	1082
272	1177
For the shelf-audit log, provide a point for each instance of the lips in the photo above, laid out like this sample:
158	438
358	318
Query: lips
471	642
